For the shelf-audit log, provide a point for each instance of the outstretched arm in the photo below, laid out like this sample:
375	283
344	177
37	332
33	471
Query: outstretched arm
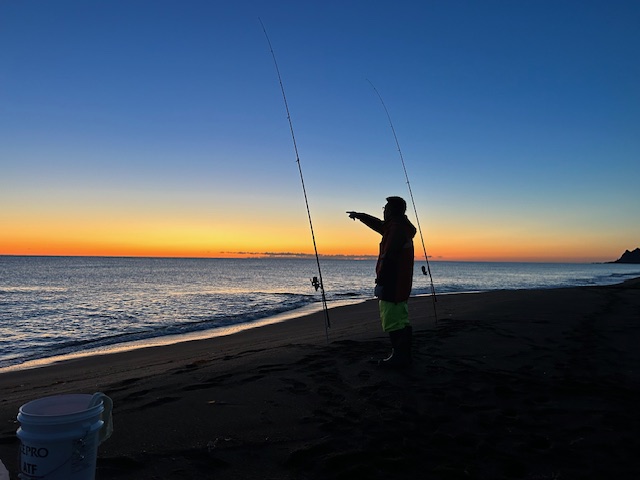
370	221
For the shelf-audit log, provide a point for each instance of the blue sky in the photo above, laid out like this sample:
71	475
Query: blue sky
159	125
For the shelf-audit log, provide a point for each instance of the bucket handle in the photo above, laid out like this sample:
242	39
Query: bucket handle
107	418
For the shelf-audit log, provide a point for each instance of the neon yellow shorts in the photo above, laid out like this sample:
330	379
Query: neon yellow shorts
394	316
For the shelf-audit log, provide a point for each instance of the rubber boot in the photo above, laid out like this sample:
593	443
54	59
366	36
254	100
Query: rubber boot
401	349
407	340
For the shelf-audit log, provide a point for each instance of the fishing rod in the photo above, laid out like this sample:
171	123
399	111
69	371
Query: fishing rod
425	270
316	282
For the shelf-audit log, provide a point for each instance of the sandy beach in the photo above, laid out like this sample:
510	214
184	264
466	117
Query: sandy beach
541	384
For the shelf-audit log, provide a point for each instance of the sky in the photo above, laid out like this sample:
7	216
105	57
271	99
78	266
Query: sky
158	128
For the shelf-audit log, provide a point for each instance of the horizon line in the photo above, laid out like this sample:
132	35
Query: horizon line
291	256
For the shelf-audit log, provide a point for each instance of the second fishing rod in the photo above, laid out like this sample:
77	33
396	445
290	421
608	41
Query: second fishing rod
426	269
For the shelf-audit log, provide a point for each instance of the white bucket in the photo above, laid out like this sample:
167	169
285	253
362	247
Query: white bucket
59	436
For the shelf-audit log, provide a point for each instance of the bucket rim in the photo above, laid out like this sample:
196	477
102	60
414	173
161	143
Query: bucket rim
29	409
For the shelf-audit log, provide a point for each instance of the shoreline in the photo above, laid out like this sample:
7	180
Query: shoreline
25	350
170	339
164	340
508	384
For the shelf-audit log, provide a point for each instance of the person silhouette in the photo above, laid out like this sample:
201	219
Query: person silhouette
394	277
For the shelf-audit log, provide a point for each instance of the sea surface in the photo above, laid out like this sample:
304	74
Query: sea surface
52	306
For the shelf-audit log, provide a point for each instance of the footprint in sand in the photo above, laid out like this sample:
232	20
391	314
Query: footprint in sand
295	386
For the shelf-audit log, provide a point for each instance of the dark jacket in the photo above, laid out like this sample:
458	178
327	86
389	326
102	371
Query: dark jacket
394	270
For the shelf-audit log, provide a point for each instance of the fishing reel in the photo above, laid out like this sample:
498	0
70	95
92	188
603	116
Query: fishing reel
316	283
424	270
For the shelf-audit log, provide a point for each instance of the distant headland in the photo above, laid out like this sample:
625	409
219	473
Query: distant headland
629	257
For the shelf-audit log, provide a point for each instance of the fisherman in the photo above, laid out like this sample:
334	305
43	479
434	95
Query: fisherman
394	276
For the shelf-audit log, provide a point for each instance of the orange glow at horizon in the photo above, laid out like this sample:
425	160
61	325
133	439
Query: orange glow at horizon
203	247
154	235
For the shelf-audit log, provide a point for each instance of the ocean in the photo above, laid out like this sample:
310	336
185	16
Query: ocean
57	306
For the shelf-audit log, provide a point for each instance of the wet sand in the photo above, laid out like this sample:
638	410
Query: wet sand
538	384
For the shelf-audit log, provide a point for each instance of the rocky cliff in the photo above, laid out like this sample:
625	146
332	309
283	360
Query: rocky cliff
629	257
